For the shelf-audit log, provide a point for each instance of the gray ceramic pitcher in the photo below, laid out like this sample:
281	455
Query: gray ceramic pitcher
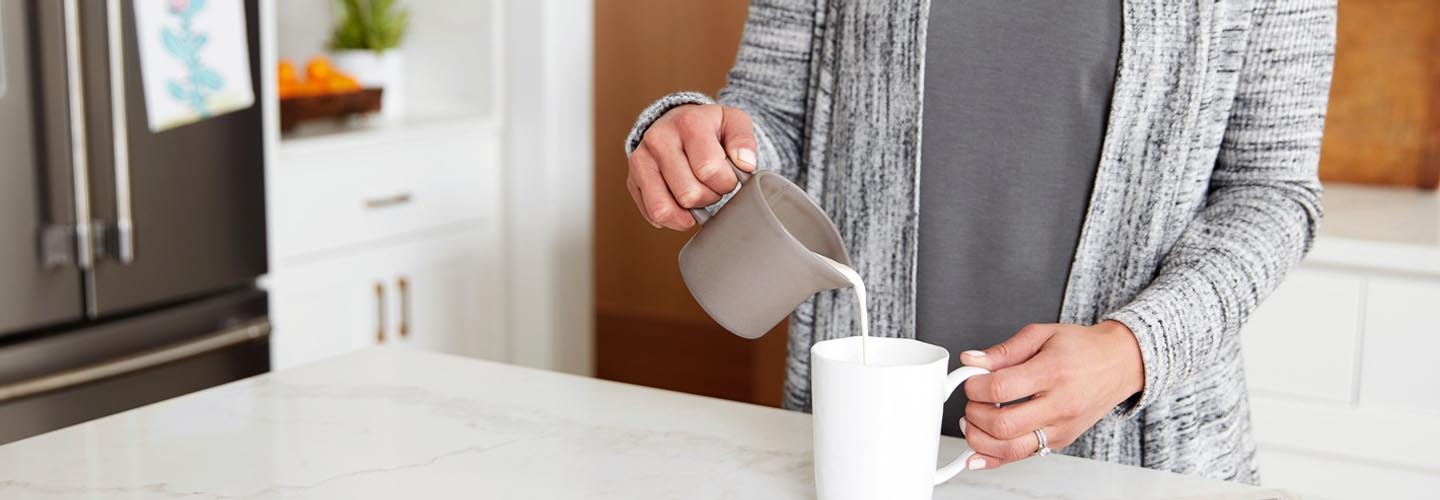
753	262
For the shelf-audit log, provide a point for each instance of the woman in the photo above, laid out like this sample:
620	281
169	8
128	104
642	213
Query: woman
1130	178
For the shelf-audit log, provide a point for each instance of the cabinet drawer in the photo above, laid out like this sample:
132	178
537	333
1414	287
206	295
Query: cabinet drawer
353	192
1301	341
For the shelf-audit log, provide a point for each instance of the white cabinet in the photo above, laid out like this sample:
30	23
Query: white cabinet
1345	390
331	193
434	293
387	236
326	308
1402	340
1317	309
445	297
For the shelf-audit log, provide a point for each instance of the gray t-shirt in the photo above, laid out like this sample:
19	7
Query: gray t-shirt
1017	93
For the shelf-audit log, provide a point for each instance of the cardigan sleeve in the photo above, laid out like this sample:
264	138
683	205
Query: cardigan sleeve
769	81
1263	206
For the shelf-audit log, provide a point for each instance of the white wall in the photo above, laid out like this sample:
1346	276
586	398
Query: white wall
547	104
450	55
301	28
449	50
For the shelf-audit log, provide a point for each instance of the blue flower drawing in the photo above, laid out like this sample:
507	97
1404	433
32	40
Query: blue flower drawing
184	44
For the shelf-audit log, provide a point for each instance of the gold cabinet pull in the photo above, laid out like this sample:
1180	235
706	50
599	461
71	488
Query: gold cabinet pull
404	285
379	312
388	201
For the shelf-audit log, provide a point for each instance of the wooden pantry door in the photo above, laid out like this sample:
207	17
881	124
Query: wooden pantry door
648	330
1383	126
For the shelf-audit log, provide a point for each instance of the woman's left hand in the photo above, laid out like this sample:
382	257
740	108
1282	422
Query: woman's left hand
1073	374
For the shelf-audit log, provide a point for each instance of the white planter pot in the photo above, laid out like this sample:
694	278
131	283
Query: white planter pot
386	69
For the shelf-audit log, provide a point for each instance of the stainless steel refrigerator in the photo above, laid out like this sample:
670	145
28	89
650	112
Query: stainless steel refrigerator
128	258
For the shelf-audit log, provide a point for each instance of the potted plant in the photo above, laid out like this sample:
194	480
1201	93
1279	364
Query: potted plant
366	44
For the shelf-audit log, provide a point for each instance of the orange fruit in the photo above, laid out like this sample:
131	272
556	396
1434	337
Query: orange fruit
313	87
339	83
285	71
340	86
318	69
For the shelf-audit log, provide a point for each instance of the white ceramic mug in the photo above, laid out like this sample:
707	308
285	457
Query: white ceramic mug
877	425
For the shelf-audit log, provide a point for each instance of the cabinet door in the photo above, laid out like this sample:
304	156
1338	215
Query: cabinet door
438	293
1316	308
326	308
447	296
1402	334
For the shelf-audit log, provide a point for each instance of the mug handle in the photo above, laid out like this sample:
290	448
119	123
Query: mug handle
700	214
953	382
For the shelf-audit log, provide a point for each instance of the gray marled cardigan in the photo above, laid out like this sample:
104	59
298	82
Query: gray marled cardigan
1205	196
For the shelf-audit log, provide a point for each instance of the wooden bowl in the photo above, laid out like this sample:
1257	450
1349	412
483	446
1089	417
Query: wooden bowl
294	110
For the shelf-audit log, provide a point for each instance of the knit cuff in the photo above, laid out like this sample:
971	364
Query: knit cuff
655	110
1144	318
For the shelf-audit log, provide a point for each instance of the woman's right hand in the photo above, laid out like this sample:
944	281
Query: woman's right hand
680	163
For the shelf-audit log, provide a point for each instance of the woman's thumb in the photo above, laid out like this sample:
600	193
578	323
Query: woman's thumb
737	134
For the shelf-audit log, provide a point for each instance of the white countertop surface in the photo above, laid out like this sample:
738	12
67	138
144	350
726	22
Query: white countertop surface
1384	228
391	423
323	137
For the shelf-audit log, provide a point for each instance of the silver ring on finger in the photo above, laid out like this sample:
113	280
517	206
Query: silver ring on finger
1044	442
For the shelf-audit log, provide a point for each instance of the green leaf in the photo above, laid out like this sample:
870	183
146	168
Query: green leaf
377	25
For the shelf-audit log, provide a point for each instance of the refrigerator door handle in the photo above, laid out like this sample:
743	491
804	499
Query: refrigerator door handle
228	337
79	161
122	245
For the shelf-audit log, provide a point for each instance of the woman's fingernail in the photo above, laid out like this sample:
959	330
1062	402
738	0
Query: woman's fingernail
962	426
976	463
974	354
746	156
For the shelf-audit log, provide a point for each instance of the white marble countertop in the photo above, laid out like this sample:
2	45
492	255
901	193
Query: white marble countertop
388	423
1384	228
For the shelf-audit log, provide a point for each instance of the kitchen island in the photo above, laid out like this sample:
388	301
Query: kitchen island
390	423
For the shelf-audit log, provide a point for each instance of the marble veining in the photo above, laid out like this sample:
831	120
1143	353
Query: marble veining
395	423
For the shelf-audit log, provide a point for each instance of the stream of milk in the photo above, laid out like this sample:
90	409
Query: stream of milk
859	286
